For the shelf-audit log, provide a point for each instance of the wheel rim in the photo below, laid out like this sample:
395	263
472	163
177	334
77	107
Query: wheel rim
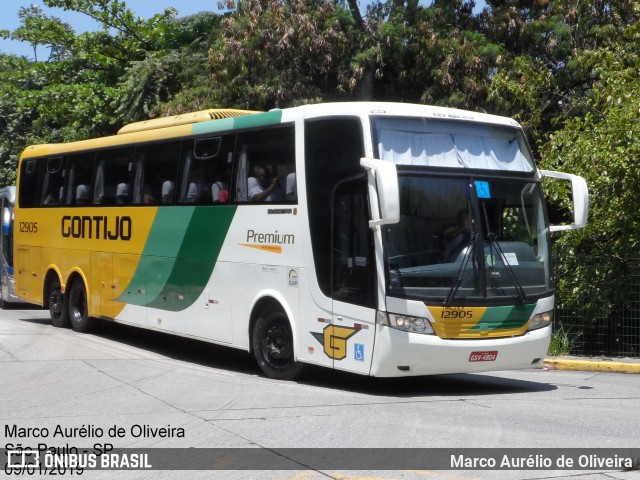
77	305
55	302
277	344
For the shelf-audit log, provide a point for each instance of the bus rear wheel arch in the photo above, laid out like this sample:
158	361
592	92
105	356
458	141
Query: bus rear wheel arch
273	346
78	306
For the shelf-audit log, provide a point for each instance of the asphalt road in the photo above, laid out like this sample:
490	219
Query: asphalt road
160	391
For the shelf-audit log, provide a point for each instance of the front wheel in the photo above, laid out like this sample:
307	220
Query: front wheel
79	309
273	346
57	306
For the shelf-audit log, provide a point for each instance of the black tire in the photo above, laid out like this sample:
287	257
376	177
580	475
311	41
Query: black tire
272	342
78	308
57	305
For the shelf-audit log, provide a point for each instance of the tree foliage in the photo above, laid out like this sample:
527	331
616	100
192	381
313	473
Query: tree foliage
603	146
279	53
38	29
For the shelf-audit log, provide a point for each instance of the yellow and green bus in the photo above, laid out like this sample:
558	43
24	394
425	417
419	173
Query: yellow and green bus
377	238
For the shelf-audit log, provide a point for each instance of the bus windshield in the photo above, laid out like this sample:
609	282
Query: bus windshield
468	238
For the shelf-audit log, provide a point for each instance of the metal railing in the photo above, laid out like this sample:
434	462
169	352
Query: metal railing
617	335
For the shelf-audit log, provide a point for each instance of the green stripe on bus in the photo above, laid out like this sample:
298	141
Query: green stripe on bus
196	259
246	121
160	252
182	248
168	230
504	318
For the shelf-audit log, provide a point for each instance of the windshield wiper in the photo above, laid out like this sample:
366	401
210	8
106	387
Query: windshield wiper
493	242
463	266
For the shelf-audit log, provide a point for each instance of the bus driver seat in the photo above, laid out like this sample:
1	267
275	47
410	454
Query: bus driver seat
290	190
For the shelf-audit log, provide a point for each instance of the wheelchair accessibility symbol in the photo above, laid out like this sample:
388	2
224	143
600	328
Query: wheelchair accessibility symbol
359	352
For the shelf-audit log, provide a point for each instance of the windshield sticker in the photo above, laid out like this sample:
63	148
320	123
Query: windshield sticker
510	258
482	189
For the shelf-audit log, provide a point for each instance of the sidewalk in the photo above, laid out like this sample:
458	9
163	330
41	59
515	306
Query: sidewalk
593	364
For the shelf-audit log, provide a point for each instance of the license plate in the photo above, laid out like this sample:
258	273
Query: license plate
483	356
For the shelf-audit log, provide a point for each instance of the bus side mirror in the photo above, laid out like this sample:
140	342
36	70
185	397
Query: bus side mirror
383	191
580	193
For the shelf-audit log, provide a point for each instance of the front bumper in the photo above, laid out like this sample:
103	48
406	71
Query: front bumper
398	353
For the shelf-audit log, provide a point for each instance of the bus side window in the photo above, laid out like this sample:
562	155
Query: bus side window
265	166
113	177
206	170
79	176
53	186
155	173
31	177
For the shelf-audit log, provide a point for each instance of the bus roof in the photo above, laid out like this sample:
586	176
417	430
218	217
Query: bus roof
224	120
400	109
184	119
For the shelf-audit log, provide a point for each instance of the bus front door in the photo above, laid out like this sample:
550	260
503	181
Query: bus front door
351	336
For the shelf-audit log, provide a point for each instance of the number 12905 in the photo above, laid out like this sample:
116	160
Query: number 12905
28	227
456	313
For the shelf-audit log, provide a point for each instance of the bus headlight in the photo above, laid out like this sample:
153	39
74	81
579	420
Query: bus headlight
540	320
406	323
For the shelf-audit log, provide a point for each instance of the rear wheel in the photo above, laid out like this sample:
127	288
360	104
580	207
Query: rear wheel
57	305
273	346
79	309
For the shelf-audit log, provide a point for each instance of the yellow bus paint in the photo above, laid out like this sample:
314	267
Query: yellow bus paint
480	322
86	240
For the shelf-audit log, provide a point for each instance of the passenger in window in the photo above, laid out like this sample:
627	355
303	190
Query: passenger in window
267	189
147	195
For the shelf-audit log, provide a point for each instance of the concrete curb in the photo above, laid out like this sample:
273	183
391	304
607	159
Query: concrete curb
609	366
